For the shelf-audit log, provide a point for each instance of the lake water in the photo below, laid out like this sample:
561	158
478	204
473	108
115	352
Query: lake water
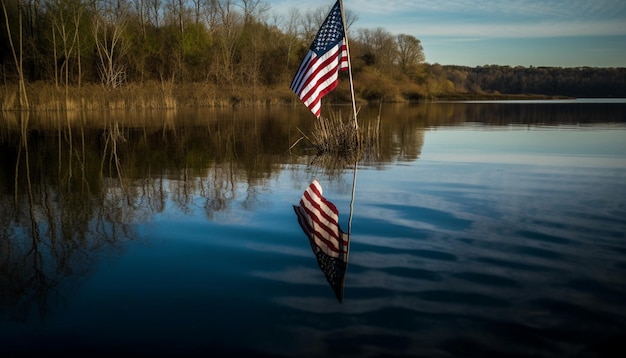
477	229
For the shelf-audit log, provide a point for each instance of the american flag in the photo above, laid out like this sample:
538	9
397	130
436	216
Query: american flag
327	56
319	219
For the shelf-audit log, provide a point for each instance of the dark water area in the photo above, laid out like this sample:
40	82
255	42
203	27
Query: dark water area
477	229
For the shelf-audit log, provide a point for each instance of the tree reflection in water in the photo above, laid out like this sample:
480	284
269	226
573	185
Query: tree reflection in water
58	213
73	185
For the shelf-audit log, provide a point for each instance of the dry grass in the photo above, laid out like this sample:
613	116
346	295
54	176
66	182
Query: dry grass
335	135
44	96
9	97
338	140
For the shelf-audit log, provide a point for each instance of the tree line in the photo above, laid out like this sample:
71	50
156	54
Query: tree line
551	81
237	44
228	42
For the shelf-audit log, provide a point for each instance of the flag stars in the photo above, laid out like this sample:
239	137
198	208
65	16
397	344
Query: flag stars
330	33
327	56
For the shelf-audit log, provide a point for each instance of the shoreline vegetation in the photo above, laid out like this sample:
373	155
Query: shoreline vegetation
150	96
137	55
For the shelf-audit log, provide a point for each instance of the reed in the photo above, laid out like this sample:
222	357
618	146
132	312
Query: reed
339	137
335	135
44	96
9	98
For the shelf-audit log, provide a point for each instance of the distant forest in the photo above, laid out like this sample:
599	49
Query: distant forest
551	81
232	51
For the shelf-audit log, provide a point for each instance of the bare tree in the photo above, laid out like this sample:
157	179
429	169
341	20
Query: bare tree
253	9
229	25
198	7
154	9
108	31
255	41
141	10
66	17
175	14
410	52
291	28
17	57
313	19
379	48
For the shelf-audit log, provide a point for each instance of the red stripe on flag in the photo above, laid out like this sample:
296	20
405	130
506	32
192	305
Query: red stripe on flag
324	218
317	84
314	80
319	218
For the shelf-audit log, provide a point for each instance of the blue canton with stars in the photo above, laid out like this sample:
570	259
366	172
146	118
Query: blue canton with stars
330	33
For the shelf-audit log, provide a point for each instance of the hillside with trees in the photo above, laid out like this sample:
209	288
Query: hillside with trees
166	53
552	81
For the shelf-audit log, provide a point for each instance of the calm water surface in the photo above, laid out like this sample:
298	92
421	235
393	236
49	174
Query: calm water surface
478	229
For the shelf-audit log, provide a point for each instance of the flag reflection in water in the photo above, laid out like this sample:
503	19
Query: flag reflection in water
319	220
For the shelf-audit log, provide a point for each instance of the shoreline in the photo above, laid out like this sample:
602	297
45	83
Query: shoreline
153	95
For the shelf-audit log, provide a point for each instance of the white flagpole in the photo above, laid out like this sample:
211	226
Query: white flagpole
356	127
352	198
356	123
345	32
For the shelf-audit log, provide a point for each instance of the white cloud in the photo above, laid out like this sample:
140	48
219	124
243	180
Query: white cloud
459	22
514	30
559	8
491	18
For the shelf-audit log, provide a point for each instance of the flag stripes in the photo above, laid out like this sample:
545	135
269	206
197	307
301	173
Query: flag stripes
319	219
319	75
319	71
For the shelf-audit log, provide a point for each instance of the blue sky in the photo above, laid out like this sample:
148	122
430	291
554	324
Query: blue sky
563	33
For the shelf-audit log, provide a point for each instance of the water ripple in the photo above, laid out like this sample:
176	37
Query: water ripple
487	279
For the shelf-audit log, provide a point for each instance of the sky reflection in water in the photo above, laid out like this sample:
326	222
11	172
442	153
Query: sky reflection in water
504	239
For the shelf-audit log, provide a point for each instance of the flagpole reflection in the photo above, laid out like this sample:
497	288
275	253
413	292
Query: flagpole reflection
356	161
318	75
